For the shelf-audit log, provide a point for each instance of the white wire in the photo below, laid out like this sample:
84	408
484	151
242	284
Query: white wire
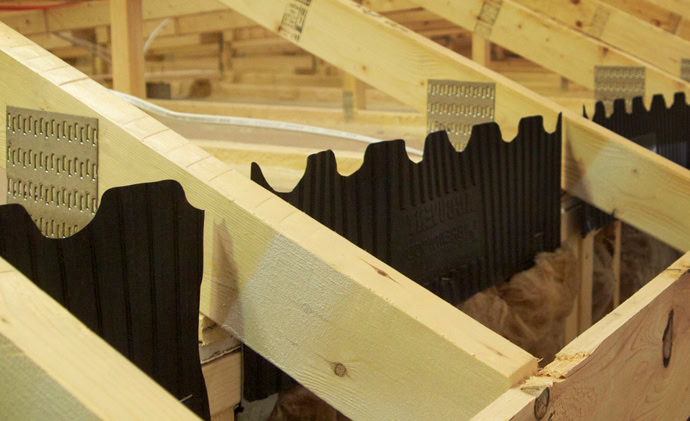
249	122
101	52
155	33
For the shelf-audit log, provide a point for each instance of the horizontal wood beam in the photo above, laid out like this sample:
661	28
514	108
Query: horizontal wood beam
618	29
616	370
52	364
96	13
317	306
600	167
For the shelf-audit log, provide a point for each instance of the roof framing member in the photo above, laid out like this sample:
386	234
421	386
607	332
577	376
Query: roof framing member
284	284
45	349
681	7
619	29
553	45
96	13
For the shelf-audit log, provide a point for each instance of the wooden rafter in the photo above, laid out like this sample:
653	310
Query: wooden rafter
649	12
681	7
554	46
319	307
54	365
96	13
618	29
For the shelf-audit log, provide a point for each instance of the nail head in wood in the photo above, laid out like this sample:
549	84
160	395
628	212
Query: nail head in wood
340	370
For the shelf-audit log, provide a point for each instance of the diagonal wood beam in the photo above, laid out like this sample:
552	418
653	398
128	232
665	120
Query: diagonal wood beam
600	167
319	307
555	46
649	12
616	369
681	7
618	29
52	364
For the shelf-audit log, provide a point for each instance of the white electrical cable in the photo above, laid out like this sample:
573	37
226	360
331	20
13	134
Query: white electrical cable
249	122
155	33
101	52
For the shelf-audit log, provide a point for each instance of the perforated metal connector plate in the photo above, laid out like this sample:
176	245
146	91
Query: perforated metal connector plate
52	168
599	21
685	69
487	17
456	106
614	82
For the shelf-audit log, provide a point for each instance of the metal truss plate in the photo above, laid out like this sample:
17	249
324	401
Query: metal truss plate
456	106
615	82
685	69
599	21
487	17
52	168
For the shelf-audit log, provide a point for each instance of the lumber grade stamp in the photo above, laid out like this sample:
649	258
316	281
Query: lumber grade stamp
292	23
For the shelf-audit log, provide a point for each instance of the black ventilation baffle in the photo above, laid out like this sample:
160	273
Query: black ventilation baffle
133	276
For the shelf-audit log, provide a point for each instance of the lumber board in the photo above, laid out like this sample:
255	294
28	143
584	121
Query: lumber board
62	369
219	20
681	7
649	12
273	63
128	47
317	306
223	382
556	47
618	29
185	51
585	257
96	13
616	262
615	370
481	50
598	164
387	5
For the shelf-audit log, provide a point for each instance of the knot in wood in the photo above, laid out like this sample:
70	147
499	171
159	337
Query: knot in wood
339	369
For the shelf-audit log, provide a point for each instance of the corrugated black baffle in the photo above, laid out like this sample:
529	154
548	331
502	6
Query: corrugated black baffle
133	276
664	130
456	223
